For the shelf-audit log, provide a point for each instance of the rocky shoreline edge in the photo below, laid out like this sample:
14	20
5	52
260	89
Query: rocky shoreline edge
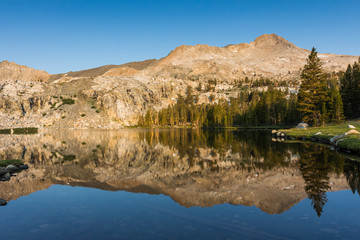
334	142
8	171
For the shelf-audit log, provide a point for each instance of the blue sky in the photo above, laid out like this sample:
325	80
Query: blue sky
64	35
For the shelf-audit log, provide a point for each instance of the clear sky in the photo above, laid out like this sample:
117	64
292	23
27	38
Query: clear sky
68	35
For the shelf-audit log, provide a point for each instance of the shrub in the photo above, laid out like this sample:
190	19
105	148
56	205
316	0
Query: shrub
68	101
69	157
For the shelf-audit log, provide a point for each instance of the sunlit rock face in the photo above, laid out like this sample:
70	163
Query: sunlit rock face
113	96
193	167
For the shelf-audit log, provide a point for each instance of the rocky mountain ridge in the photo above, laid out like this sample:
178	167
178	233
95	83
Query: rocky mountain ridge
113	96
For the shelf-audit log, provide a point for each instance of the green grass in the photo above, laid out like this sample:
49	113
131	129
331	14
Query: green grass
25	130
15	162
350	142
5	131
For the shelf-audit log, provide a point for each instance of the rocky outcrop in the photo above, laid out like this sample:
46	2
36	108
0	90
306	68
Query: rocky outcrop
15	72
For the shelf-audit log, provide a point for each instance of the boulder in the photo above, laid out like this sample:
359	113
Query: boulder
11	169
2	172
2	202
24	167
302	125
352	132
333	140
5	177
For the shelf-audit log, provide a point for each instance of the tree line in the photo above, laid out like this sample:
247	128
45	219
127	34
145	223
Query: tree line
273	107
322	98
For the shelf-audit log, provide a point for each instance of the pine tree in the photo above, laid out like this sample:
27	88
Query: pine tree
346	91
356	90
189	95
141	121
350	91
313	92
148	119
335	104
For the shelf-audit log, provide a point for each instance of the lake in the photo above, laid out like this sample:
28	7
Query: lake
177	184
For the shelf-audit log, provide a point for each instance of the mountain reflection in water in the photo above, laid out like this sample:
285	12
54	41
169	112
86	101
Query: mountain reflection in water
192	166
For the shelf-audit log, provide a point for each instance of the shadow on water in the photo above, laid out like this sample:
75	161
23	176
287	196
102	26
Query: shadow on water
240	166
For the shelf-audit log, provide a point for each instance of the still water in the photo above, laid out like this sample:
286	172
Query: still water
177	184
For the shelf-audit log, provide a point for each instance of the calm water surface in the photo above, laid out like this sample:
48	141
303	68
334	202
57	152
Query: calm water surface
177	184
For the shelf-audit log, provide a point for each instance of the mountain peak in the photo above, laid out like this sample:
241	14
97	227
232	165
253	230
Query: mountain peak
272	41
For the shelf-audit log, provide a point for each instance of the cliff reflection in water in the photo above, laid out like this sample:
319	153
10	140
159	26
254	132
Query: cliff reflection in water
193	167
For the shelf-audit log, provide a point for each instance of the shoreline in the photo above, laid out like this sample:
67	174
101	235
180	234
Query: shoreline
344	137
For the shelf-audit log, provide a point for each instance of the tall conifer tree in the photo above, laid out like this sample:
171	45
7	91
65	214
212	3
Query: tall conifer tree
313	92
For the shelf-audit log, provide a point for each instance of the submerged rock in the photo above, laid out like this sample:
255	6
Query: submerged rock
2	202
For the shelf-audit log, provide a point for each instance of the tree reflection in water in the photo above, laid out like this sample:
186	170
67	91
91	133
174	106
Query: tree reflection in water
352	174
316	161
199	162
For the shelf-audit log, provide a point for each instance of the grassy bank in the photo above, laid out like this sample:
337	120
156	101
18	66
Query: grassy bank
15	162
324	134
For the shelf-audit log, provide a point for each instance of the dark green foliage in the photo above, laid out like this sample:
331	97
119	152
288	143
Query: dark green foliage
336	113
273	107
69	157
25	130
68	101
313	93
15	162
5	131
350	91
315	166
352	174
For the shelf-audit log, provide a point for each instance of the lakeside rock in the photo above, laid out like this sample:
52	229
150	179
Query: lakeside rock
3	202
6	172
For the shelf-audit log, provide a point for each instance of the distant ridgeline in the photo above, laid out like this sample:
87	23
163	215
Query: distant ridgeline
322	98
